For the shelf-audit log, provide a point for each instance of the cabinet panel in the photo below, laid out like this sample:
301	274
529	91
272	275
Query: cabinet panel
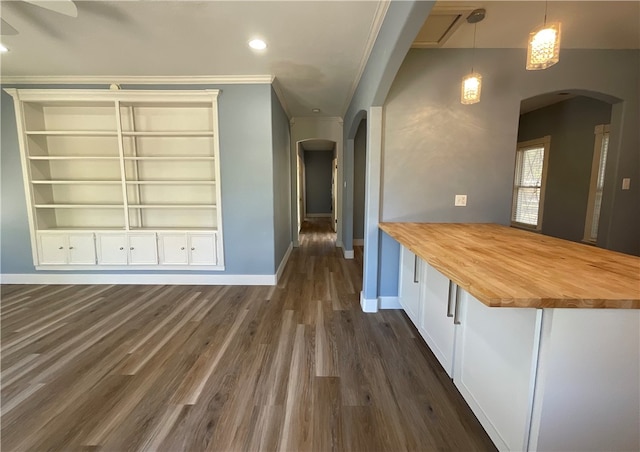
173	249
111	249
53	249
202	249
143	249
436	318
82	249
409	287
496	356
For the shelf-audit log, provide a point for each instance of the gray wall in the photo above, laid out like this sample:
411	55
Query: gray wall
281	181
317	167
571	125
245	124
436	147
359	166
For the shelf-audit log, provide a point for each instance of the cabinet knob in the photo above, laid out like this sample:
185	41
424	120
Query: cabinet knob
192	249
121	248
131	248
70	247
61	248
182	248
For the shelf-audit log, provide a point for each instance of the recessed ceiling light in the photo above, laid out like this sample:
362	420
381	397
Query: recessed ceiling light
3	49
257	44
316	110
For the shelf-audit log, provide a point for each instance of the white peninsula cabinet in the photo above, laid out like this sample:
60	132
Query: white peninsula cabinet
537	378
489	353
109	173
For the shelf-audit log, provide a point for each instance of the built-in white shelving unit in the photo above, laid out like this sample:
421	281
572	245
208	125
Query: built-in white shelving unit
145	163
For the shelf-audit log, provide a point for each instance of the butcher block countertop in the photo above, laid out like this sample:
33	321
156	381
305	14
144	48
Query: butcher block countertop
508	267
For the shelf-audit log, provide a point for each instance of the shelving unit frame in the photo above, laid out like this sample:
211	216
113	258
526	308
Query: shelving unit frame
114	122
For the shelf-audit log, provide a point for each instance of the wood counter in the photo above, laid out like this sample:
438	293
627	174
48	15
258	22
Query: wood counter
508	267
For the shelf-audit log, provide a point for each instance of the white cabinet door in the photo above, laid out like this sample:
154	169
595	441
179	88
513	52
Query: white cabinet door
409	284
82	250
173	248
202	249
53	249
111	248
496	358
143	248
436	317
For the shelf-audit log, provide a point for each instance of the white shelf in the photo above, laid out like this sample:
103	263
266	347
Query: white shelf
170	182
172	157
79	206
77	182
174	229
75	133
72	157
169	134
172	206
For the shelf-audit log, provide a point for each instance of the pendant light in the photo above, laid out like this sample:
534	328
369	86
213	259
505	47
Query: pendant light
472	84
543	50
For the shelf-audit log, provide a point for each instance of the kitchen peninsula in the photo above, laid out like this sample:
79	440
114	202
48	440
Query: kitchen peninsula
540	335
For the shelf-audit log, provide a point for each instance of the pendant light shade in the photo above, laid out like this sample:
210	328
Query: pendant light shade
544	47
472	84
471	88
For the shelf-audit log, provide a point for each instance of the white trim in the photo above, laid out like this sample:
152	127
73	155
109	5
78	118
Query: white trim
134	95
348	254
283	262
129	267
368	305
389	303
132	278
374	30
136	79
277	88
339	244
318	215
358	242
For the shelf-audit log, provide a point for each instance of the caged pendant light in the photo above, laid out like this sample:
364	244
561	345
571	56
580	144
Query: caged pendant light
543	50
471	87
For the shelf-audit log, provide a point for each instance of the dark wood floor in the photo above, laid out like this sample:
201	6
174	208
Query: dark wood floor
290	368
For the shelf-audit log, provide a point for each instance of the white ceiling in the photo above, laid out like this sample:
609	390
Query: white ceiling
316	49
585	24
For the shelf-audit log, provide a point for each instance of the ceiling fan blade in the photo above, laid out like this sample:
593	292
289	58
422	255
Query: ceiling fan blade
6	29
66	7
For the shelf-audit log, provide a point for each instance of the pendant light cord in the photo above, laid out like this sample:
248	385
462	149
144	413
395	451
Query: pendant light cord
473	52
546	5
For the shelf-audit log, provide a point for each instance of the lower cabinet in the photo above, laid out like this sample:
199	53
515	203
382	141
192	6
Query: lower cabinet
138	248
496	355
187	248
60	248
409	284
438	316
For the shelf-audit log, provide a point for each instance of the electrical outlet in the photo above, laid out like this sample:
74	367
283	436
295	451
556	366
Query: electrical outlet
461	200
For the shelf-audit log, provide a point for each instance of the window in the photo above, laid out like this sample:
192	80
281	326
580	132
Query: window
528	186
597	183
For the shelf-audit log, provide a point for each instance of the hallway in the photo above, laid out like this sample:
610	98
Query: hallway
292	367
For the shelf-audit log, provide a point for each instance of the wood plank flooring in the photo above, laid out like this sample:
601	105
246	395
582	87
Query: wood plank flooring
296	367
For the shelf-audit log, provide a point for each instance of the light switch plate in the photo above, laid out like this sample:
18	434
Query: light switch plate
461	200
626	183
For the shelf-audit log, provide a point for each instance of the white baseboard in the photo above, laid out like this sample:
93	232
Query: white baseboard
348	254
318	215
389	303
283	263
132	278
339	244
368	304
358	242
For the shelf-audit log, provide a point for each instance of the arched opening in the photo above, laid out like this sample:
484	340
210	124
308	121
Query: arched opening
564	176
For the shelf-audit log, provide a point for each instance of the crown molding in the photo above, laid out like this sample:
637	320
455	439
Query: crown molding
376	24
136	79
277	87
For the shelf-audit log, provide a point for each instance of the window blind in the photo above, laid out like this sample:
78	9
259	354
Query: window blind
528	184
